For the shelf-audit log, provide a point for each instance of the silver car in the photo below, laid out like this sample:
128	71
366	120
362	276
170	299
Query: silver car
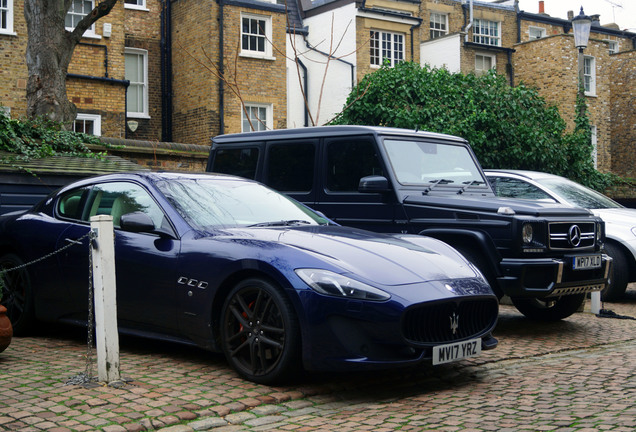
620	222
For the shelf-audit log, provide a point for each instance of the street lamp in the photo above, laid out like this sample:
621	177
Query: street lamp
581	25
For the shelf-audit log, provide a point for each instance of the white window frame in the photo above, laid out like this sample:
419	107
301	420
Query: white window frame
139	5
6	14
94	118
491	35
267	37
438	24
259	126
136	85
589	75
6	110
613	46
384	43
539	30
90	32
493	62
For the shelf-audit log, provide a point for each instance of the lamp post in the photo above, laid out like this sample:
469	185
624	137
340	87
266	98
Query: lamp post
581	25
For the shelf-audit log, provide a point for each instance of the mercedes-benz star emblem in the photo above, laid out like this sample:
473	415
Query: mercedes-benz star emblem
574	235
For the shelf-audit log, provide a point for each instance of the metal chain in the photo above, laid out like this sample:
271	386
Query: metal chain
47	256
84	377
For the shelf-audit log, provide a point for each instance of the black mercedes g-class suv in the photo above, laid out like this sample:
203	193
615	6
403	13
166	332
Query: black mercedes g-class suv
544	256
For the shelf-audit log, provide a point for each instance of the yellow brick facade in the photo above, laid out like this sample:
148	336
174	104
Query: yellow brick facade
196	60
96	72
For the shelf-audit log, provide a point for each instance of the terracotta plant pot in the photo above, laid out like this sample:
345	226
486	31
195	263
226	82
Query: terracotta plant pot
6	330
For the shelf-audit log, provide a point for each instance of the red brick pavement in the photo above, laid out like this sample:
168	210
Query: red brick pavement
183	389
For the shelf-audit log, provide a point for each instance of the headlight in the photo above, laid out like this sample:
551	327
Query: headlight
336	285
599	232
527	233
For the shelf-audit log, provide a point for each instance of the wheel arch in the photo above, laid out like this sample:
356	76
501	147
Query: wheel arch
475	246
269	274
627	254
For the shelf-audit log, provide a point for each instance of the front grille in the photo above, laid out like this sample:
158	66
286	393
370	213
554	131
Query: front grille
567	235
434	323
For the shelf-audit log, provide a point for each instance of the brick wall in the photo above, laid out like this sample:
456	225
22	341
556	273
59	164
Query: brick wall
551	65
142	30
623	113
159	156
195	55
96	57
13	69
195	64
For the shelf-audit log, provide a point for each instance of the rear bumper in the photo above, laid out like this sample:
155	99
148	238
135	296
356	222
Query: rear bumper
550	277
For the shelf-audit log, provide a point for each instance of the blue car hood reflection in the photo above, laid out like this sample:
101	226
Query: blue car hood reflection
384	259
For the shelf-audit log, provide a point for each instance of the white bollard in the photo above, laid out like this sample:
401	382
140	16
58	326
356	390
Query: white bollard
105	299
595	307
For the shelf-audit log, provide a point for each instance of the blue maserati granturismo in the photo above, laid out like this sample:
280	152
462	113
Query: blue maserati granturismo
232	266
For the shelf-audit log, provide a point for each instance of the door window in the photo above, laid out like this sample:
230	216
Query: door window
348	160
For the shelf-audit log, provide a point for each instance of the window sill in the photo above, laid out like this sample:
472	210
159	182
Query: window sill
7	33
137	116
247	54
134	7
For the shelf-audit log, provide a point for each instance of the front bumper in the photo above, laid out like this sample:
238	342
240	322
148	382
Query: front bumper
551	277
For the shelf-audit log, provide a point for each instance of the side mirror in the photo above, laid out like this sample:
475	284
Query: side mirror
373	184
137	222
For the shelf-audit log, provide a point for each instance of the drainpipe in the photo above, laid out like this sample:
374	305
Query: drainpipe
166	72
305	85
351	65
470	19
221	68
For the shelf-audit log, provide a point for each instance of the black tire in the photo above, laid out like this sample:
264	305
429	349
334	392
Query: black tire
260	333
553	309
17	295
619	276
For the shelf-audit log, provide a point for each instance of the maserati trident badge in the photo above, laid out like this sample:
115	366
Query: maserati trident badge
454	322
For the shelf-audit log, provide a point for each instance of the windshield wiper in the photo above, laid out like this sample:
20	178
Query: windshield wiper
291	222
469	184
435	183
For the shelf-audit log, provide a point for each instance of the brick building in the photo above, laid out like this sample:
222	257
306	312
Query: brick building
117	63
246	40
150	69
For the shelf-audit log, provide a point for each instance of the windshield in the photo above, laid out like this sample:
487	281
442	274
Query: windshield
578	195
418	163
206	203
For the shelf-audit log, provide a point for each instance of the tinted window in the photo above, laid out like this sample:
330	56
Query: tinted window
513	188
348	160
240	162
290	167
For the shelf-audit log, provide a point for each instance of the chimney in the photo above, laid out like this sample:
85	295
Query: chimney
596	20
570	15
541	7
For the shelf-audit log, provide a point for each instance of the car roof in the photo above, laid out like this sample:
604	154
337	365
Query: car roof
531	175
322	131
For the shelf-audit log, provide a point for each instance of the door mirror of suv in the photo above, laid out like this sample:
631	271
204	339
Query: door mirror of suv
373	184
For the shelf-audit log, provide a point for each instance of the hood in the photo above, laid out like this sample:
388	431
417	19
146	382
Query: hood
380	259
618	216
491	204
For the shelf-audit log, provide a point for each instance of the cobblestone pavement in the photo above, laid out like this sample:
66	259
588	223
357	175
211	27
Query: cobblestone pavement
575	375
